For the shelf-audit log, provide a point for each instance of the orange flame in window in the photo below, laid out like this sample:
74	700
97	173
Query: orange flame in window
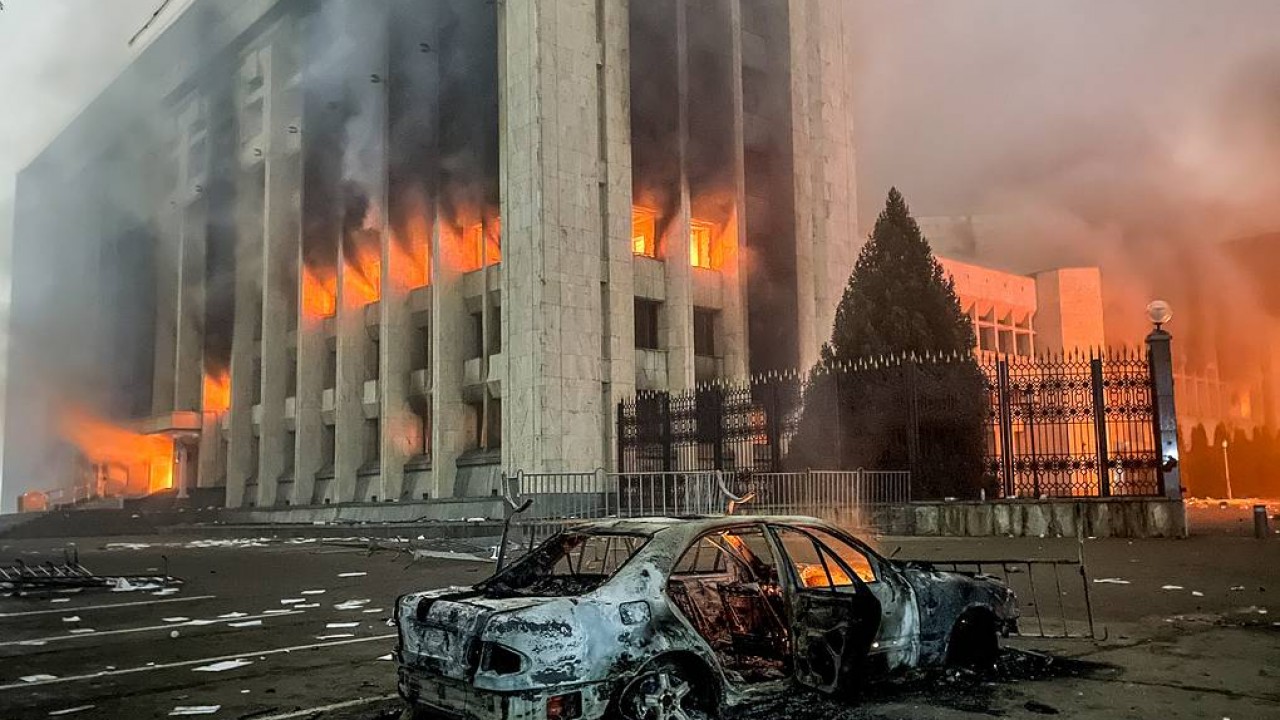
319	294
217	391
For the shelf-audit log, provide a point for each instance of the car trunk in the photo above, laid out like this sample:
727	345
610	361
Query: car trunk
442	635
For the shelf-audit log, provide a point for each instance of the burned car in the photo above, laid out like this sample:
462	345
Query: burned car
684	618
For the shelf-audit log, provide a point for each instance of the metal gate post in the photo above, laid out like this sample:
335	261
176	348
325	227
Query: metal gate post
1100	426
1160	361
620	466
913	418
774	430
1006	426
667	431
718	393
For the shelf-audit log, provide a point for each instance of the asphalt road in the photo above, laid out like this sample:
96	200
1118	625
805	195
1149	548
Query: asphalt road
1184	630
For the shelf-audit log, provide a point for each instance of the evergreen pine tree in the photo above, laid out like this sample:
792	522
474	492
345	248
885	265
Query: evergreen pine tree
926	417
898	299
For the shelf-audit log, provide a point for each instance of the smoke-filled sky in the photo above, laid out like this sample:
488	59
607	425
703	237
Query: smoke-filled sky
1134	135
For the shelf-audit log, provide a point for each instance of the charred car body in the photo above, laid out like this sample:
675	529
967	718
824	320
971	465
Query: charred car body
682	618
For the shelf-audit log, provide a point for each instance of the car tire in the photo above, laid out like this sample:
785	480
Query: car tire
975	642
668	690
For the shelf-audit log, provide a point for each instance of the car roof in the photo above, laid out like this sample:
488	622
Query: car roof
650	526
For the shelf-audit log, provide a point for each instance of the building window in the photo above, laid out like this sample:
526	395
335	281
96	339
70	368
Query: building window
704	331
493	421
476	347
372	441
701	245
647	324
420	350
644	232
328	444
290	448
495	330
291	374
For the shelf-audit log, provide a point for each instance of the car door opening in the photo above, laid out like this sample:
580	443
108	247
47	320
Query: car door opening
727	586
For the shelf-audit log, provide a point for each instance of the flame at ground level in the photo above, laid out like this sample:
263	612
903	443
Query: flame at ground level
148	459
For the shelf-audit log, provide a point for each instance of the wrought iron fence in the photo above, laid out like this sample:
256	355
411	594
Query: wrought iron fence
1066	425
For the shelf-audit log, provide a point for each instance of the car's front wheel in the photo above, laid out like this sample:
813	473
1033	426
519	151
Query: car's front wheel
666	690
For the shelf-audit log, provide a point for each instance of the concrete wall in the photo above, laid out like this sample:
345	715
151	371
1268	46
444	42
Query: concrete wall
1091	517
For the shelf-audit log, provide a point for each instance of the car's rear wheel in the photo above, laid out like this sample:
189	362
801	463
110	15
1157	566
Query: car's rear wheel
667	690
975	641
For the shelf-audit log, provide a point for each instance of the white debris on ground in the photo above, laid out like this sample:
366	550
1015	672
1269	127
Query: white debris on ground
1237	588
224	665
195	710
37	678
340	625
352	574
72	618
176	619
277	611
232	615
292	601
60	600
82	631
313	592
352	604
245	624
166	591
70	710
1197	593
371	611
386	657
1111	581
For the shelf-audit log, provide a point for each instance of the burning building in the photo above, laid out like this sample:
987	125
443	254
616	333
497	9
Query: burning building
378	251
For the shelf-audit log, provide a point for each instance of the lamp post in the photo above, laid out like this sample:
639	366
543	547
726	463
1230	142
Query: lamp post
1226	468
1164	414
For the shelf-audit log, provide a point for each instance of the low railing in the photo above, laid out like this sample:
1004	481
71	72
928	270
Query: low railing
595	495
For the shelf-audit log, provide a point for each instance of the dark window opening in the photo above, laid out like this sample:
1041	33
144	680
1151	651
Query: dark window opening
420	349
705	321
372	441
647	324
290	449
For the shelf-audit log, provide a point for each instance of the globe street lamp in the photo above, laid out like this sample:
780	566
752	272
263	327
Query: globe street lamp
1159	312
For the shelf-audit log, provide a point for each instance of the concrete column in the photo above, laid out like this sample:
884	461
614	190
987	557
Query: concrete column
617	295
282	215
189	362
827	236
366	166
167	306
241	464
1160	357
677	312
450	416
553	411
732	271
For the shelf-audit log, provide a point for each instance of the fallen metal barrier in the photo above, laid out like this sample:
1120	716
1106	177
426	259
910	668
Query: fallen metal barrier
1050	607
22	578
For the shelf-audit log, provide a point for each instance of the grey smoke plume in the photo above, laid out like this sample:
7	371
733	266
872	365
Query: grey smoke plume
1137	136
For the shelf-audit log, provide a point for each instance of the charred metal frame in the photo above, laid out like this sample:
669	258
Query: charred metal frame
21	577
1032	622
